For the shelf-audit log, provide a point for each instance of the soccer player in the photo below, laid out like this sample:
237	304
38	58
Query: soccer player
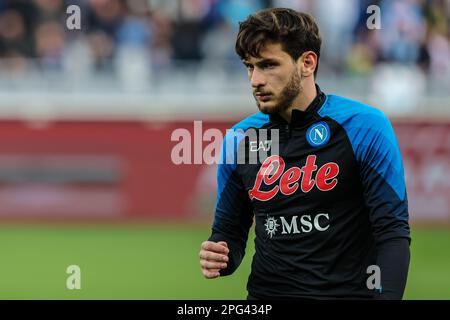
330	207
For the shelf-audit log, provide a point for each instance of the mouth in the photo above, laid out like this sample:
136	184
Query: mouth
263	96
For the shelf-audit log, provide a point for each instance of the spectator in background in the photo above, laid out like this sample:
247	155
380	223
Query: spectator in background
105	16
134	29
50	43
160	45
133	35
16	36
218	43
104	19
400	50
14	45
49	10
161	33
437	43
364	50
439	50
234	10
217	46
336	29
403	30
188	30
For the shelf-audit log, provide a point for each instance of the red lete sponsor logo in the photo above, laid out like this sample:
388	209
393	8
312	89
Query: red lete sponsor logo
287	182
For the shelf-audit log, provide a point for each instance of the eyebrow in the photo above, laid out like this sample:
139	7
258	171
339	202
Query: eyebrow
262	62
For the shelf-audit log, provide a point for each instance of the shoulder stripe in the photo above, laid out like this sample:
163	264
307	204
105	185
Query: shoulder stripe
227	160
371	136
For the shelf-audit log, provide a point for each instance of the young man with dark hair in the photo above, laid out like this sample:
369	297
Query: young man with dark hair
332	203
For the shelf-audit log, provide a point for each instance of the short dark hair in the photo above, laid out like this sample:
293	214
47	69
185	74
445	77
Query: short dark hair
297	32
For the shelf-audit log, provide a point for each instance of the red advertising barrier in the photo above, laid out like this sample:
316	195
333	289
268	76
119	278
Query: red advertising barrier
105	170
98	170
425	147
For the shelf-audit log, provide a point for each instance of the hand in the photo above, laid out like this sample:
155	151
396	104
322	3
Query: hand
213	258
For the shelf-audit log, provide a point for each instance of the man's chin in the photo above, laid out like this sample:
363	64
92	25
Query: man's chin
267	109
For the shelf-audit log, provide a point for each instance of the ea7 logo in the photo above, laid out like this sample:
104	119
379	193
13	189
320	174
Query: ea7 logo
260	145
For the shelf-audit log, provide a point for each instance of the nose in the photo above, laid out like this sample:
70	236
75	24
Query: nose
257	78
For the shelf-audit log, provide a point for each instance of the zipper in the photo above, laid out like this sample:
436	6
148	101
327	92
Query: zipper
288	130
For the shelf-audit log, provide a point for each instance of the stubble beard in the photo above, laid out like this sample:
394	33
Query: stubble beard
287	96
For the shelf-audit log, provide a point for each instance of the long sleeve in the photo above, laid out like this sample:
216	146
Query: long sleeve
385	196
393	259
233	212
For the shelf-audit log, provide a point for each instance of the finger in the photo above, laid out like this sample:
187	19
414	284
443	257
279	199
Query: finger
212	265
212	270
210	274
215	247
212	256
223	243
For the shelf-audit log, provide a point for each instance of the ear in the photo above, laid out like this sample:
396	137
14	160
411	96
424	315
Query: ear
307	63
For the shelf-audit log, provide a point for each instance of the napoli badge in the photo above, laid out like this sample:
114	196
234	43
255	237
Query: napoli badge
318	134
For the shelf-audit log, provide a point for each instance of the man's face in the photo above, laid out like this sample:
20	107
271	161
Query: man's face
275	79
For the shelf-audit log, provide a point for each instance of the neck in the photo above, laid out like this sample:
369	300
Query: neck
302	101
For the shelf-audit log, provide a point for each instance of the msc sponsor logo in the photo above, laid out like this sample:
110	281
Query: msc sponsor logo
271	226
297	224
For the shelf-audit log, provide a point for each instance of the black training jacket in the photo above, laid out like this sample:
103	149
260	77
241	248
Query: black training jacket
327	194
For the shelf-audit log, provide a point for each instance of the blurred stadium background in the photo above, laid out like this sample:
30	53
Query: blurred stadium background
86	118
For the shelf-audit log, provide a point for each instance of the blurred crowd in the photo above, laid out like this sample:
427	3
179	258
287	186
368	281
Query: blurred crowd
149	36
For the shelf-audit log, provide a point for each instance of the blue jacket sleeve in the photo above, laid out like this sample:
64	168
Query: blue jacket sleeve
377	153
385	196
383	180
233	212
